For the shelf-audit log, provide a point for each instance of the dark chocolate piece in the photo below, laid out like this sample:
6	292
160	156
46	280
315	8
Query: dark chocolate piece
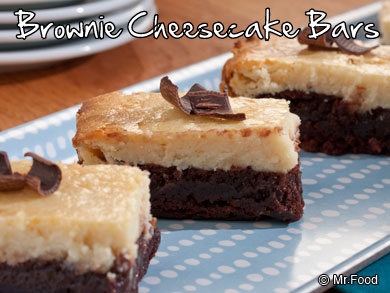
44	176
349	46
326	41
199	101
5	166
323	41
236	194
12	182
9	181
207	103
333	126
38	276
169	92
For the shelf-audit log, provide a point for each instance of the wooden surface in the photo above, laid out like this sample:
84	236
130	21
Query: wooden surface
28	95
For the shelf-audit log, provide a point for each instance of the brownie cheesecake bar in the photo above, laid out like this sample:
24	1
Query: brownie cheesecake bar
343	99
95	233
384	22
200	167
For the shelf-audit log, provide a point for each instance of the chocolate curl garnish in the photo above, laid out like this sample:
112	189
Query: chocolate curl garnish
349	46
44	176
199	101
5	166
326	41
9	181
169	91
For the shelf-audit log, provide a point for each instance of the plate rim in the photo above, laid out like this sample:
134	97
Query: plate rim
76	11
79	48
8	36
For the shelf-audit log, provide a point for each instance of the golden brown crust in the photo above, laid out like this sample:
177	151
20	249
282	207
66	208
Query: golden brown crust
240	50
115	115
269	67
144	128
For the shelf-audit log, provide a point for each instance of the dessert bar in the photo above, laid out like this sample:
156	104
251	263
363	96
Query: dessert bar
342	99
233	166
95	233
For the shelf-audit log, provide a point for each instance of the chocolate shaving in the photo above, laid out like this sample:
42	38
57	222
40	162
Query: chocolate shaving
44	176
5	166
12	182
169	91
196	88
324	41
327	41
199	101
349	46
9	181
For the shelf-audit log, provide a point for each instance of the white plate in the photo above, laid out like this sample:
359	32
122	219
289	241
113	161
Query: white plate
31	2
119	18
34	4
17	60
84	9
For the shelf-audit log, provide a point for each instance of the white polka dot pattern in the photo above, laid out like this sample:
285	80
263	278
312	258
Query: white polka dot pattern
346	215
248	256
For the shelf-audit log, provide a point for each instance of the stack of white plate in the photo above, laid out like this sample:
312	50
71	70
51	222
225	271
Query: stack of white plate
16	19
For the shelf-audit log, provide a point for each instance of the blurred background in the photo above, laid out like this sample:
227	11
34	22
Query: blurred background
57	74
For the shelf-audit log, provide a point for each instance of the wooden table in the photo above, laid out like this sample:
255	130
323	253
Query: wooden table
28	95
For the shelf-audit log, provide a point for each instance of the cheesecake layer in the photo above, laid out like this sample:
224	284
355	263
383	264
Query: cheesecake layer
236	194
97	214
143	128
279	65
384	22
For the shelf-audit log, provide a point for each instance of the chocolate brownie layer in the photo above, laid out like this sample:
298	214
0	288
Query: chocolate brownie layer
333	126
237	194
52	276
